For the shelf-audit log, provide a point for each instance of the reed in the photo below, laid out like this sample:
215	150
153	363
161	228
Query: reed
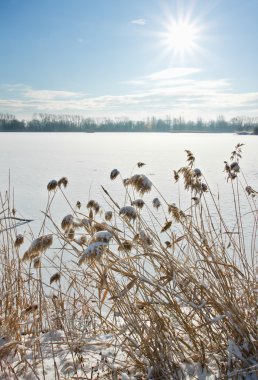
175	288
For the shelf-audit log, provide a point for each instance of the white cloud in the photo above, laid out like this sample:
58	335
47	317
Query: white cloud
173	91
50	94
165	75
139	21
172	72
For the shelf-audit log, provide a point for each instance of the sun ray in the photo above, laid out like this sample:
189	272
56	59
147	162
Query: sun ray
182	35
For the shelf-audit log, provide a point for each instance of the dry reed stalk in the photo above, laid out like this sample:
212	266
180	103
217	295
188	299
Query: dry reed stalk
190	299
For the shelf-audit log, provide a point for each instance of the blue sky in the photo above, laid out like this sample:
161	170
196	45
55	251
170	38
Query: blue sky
127	58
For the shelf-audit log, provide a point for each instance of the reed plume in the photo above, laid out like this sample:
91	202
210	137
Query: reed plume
93	205
19	240
62	182
139	203
108	215
140	183
128	212
37	247
55	278
52	185
114	174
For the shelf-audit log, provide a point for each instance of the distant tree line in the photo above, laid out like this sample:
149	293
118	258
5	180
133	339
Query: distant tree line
74	123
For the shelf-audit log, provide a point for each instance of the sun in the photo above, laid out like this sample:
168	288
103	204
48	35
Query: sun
182	36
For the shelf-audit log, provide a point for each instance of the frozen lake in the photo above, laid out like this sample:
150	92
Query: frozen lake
87	159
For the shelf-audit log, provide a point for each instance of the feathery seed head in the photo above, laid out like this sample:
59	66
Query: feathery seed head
52	185
251	191
19	240
197	172
156	203
144	238
141	183
235	167
71	233
196	200
86	222
128	212
67	222
108	215
176	212
94	251
81	240
190	158
139	203
56	277
125	246
37	263
114	174
38	246
102	236
93	205
100	227
126	181
166	226
62	181
176	175
191	179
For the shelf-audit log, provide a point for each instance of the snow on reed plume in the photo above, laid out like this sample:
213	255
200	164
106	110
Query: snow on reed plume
140	183
139	203
38	246
102	236
128	212
52	185
93	252
174	290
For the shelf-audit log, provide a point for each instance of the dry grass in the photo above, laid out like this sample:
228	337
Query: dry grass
177	289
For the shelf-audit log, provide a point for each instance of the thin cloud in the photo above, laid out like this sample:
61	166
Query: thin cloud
172	72
50	94
139	21
167	92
